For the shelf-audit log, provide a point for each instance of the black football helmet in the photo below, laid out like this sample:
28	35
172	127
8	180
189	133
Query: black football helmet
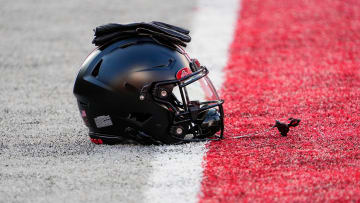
140	90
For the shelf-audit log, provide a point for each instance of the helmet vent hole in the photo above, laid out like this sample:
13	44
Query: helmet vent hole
95	72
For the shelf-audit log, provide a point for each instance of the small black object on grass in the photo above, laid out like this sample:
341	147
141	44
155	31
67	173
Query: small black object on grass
284	127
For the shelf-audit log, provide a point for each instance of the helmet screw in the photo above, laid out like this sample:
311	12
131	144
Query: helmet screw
142	97
179	131
163	93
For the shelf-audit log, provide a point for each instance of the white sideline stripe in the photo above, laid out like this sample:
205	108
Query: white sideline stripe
212	35
178	170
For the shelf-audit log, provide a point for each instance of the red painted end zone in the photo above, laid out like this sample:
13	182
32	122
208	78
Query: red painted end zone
290	59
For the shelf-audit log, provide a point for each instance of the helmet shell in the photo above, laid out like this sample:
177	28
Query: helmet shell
109	82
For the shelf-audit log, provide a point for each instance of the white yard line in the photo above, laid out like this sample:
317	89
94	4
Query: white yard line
177	170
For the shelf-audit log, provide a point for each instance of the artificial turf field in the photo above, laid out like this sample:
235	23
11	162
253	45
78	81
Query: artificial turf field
290	59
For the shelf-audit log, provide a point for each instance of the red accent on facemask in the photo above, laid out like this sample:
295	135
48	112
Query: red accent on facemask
197	62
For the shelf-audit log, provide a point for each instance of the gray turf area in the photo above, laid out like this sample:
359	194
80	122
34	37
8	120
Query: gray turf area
45	153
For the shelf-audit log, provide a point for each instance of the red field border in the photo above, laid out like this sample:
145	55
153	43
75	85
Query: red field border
290	59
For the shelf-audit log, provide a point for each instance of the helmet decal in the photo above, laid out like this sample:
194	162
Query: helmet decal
183	72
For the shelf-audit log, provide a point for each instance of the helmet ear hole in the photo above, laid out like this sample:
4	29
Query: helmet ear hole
139	117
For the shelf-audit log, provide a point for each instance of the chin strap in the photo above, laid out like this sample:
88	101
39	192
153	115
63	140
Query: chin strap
283	128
